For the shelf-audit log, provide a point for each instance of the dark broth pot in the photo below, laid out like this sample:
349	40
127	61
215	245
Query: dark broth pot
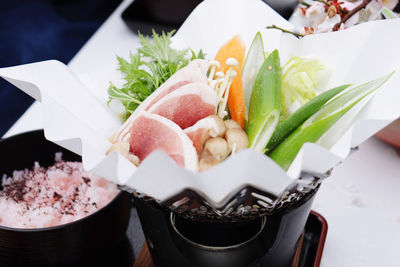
267	241
64	244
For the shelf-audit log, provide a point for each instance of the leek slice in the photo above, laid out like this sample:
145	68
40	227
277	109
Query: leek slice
313	128
265	103
254	59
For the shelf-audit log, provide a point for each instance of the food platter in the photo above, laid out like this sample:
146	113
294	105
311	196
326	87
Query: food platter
96	143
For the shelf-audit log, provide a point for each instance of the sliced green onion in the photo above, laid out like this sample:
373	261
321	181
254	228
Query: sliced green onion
313	128
254	59
265	103
288	125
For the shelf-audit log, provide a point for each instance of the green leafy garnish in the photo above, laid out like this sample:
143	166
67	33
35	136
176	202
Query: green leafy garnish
154	63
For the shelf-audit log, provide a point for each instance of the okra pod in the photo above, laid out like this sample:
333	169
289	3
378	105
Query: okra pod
314	127
288	125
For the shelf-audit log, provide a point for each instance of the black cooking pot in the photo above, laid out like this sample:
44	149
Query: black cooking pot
71	244
267	241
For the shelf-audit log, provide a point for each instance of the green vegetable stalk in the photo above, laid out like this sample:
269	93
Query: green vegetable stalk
288	125
254	60
265	103
313	128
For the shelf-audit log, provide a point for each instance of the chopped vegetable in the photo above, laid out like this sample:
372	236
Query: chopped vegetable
254	59
154	62
313	128
299	80
231	124
265	103
286	126
234	48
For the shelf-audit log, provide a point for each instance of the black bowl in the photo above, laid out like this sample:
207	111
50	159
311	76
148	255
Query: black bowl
67	244
267	241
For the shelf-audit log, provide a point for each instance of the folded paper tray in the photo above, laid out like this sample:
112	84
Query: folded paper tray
308	254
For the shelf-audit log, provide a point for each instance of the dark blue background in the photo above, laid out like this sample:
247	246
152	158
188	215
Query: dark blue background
39	30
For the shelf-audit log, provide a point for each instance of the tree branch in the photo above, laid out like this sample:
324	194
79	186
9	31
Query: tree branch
351	13
298	35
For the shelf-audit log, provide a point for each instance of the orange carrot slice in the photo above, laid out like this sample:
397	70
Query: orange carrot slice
234	48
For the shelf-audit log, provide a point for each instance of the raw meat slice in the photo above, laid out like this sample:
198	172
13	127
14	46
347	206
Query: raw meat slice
211	126
150	132
196	71
187	105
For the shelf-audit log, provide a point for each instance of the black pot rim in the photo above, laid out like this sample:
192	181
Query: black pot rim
44	229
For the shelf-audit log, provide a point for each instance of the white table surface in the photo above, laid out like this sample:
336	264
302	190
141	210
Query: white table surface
361	200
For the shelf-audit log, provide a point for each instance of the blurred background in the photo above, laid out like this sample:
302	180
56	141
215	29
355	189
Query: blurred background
36	30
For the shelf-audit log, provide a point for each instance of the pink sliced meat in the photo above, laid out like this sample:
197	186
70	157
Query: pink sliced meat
166	92
198	137
187	105
150	132
195	72
204	129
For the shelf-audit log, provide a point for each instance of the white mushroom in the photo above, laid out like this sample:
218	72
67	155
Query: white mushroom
237	139
230	75
220	129
217	147
206	161
231	124
219	75
214	65
222	83
213	84
221	89
232	62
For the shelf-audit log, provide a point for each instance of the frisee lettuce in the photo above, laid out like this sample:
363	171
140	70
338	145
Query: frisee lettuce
299	80
154	62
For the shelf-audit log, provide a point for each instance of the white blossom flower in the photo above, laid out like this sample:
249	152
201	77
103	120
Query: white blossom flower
317	16
316	13
348	5
374	8
353	20
328	24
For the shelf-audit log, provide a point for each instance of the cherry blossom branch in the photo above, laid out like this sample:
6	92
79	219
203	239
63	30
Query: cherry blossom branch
328	4
304	4
298	35
351	13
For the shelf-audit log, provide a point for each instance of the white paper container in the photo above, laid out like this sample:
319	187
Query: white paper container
78	118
